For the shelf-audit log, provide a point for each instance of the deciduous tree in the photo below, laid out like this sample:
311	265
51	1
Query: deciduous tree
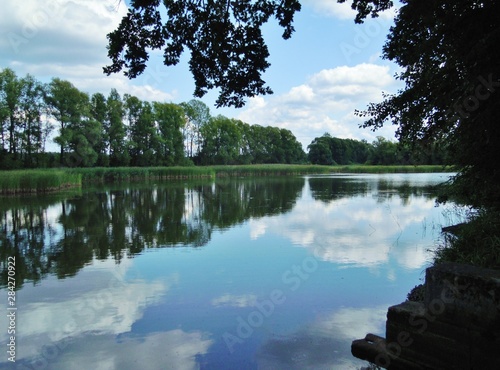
11	88
197	114
66	104
118	145
32	112
170	120
224	38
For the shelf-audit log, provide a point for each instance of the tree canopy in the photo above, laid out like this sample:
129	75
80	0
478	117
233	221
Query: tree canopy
448	52
224	39
92	130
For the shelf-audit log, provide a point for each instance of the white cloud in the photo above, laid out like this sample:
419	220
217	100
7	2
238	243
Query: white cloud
331	8
67	39
362	75
63	30
325	103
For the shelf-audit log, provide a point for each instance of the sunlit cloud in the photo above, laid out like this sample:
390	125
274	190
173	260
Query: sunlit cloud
61	32
67	39
332	8
343	11
325	103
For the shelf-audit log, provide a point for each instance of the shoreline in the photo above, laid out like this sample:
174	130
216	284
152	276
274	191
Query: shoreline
39	181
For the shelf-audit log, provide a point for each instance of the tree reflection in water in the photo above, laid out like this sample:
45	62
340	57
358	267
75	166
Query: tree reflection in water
59	234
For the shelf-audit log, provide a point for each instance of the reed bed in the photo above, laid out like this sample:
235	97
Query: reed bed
393	169
124	174
37	181
287	169
269	170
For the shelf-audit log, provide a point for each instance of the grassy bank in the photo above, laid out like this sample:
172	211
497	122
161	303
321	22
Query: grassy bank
474	242
291	169
119	174
37	181
44	180
269	170
124	174
394	169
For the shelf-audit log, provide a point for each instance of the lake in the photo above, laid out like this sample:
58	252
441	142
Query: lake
251	273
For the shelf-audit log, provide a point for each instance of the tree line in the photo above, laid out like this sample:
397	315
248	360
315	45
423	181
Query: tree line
114	130
328	150
97	130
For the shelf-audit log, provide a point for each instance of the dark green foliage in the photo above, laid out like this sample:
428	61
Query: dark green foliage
99	113
224	39
118	144
448	52
64	102
320	152
384	152
329	150
476	242
229	141
23	132
11	89
197	115
221	141
365	8
169	144
142	131
98	132
270	145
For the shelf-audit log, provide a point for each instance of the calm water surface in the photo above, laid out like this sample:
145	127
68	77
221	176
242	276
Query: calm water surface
267	273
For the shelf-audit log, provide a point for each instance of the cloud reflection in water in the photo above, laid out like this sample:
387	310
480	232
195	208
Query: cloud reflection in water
324	343
359	231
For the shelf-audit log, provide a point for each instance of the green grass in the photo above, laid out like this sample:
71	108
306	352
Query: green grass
37	181
124	174
475	242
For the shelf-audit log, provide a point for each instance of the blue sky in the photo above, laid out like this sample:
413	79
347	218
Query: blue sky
329	67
